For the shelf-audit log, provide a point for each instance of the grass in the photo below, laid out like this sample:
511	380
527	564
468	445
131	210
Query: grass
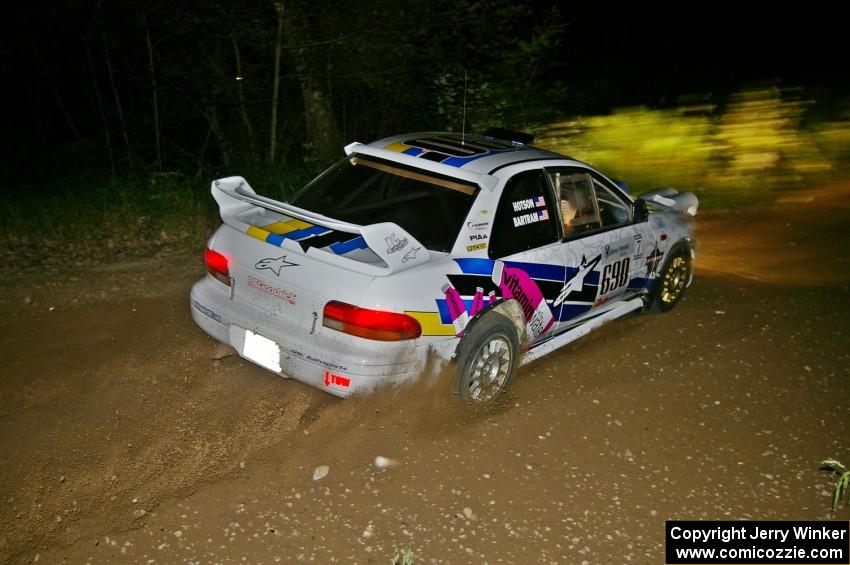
97	218
842	485
403	557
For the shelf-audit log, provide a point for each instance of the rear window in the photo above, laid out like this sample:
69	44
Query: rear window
360	190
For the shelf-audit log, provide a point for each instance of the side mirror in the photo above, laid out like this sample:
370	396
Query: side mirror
640	213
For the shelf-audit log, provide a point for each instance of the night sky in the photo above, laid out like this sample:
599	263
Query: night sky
646	53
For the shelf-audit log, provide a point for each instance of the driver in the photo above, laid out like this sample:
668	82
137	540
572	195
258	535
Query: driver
568	213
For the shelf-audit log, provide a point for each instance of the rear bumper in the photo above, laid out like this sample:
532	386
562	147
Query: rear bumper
337	363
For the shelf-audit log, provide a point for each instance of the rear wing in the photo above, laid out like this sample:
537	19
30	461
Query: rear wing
377	250
672	199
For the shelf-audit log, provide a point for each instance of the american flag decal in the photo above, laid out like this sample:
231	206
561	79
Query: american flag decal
540	202
543	215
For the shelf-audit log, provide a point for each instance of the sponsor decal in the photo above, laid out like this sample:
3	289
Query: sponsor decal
410	255
476	247
477	301
394	244
528	203
338	380
206	311
457	309
652	261
531	218
317	361
638	237
515	283
279	293
274	265
538	288
477	236
576	282
478	225
619	249
484	212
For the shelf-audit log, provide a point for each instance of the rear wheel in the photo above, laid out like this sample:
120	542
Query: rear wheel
487	359
674	277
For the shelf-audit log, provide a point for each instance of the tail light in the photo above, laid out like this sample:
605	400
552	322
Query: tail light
371	324
217	265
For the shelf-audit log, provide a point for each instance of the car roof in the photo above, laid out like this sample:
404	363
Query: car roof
473	153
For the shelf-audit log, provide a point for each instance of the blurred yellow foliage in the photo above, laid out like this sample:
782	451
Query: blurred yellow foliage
750	149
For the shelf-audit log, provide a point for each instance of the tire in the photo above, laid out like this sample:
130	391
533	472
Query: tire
670	285
487	358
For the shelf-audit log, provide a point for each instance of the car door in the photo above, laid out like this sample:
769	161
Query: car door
603	249
525	250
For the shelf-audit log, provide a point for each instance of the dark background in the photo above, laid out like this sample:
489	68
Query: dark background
81	76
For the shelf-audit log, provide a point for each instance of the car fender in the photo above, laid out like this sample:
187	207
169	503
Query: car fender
511	310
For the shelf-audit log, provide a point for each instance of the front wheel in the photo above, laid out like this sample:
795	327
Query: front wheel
487	359
674	277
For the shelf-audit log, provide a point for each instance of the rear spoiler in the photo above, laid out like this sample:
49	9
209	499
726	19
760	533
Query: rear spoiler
395	247
672	199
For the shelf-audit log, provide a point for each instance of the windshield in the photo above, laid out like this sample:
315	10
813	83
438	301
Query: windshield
366	191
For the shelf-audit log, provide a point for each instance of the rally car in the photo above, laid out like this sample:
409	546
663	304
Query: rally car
483	251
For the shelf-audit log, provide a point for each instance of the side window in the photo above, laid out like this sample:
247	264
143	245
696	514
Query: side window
579	212
525	218
612	210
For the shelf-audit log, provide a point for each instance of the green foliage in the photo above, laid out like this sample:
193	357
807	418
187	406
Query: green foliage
507	49
403	557
842	485
747	151
97	217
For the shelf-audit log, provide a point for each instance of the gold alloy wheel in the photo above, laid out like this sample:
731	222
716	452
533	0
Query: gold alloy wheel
675	278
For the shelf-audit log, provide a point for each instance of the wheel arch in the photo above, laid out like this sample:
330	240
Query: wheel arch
683	244
510	309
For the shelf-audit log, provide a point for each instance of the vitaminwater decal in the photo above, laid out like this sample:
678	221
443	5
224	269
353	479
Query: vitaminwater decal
515	283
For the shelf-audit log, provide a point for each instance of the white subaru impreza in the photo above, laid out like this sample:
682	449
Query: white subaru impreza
480	250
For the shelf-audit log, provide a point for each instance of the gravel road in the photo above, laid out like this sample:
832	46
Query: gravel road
124	440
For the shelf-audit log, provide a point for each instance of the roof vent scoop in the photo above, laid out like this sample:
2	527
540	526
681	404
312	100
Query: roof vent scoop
518	137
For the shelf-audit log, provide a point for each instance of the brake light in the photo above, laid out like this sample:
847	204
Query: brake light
217	265
370	324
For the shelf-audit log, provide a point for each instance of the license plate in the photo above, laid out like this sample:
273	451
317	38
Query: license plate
262	351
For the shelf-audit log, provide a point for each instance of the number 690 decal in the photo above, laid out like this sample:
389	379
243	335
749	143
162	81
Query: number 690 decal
614	276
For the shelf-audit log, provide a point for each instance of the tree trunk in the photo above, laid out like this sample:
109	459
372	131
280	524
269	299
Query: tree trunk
249	130
202	154
218	132
99	100
93	75
322	128
154	96
276	83
61	104
117	102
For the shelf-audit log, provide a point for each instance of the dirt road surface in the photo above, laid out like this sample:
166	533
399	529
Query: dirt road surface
122	440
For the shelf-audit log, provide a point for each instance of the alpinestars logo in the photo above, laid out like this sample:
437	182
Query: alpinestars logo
274	265
576	282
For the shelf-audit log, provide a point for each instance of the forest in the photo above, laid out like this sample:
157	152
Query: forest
121	113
